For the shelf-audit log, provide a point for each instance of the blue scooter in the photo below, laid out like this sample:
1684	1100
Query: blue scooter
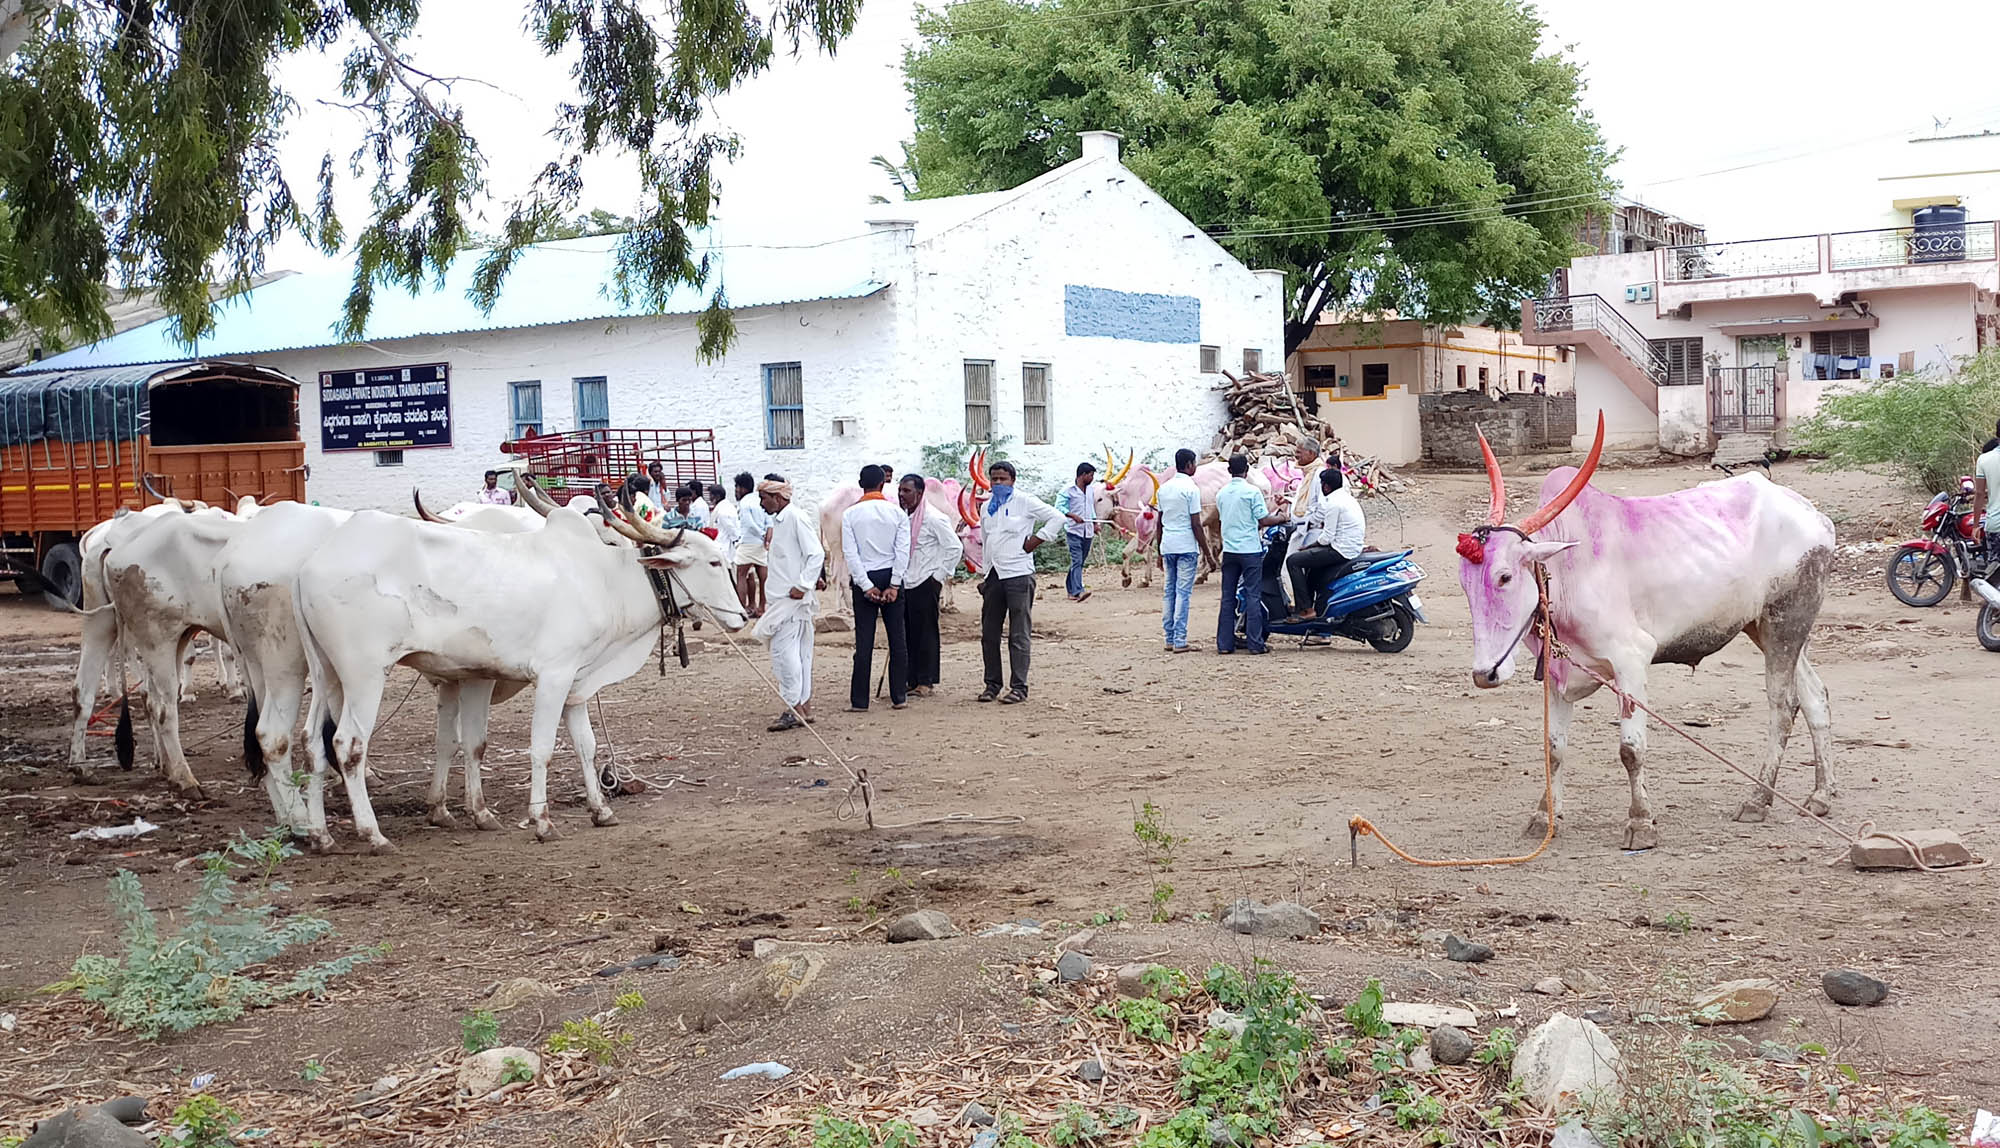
1373	601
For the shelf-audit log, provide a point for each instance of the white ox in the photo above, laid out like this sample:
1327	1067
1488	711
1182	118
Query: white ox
1635	582
159	581
557	609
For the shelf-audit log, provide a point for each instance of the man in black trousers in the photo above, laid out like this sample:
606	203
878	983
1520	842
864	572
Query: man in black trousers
875	537
934	556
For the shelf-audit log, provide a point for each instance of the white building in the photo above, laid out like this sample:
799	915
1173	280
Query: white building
1682	345
1076	310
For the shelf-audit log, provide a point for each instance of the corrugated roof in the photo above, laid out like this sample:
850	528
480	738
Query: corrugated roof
566	281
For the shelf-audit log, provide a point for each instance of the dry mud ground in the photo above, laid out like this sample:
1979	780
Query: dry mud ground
1259	762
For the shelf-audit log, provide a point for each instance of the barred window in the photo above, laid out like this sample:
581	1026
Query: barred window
1034	402
978	400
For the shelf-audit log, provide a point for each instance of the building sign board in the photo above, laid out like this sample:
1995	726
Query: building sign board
385	408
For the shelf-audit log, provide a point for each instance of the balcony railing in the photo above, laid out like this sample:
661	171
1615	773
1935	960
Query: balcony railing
1840	251
1752	258
1902	246
1595	313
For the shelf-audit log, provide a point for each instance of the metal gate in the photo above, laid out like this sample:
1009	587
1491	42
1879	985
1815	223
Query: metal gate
1743	400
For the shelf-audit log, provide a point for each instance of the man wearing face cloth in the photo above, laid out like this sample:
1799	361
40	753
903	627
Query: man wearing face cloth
1009	528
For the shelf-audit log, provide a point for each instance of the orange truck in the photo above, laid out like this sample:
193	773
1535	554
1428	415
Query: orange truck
77	445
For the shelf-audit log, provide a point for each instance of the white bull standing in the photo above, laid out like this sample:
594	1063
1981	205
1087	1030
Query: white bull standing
1634	582
557	608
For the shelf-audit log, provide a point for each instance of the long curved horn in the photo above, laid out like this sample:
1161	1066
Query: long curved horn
417	498
640	530
146	481
533	494
975	468
1496	511
1131	456
1154	498
1110	466
965	517
1560	502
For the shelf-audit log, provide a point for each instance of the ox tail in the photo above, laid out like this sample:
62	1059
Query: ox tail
121	739
62	603
326	728
253	750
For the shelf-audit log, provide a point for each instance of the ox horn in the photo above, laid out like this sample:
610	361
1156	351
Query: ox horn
1131	456
1496	511
975	469
1560	502
640	530
537	499
417	499
968	507
1154	498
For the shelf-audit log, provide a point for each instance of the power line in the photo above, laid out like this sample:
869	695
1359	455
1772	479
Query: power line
1473	209
1394	213
1559	204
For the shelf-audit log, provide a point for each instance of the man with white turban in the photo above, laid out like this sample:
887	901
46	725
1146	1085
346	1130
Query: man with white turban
796	561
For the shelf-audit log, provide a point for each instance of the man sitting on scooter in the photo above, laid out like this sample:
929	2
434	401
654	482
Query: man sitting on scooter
1326	545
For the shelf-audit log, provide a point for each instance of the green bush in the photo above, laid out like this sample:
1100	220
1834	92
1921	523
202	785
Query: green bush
1926	427
202	973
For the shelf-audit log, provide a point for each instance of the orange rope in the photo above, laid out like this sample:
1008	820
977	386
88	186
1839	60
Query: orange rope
1358	826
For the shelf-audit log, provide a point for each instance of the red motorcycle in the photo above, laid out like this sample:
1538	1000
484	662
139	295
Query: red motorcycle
1922	572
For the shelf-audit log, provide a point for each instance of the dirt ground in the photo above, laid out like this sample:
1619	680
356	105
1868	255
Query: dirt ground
1258	761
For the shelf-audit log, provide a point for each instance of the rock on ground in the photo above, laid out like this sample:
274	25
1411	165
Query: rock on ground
1450	1045
1551	986
1132	979
84	1128
1566	1057
1847	987
514	992
777	984
922	925
976	1116
1073	967
1737	1002
1283	919
1228	1023
1402	1014
1467	952
483	1072
1090	1072
1939	848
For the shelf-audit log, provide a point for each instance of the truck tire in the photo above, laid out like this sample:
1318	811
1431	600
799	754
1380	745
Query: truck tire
62	573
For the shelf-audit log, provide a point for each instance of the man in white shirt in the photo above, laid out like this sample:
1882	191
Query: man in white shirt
875	539
1008	530
1183	543
722	517
796	559
934	555
1326	545
1305	499
493	494
752	554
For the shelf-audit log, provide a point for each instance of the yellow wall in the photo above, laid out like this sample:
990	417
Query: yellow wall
1424	358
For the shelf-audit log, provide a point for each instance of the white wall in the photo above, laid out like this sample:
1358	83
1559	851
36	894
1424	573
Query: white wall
1386	427
653	380
1684	421
993	288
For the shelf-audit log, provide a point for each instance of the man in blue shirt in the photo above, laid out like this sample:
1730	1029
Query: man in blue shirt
1182	546
1079	504
1244	513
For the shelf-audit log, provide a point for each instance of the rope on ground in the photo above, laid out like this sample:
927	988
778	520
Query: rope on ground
858	782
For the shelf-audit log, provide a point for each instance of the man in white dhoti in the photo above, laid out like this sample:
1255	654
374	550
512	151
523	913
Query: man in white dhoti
796	561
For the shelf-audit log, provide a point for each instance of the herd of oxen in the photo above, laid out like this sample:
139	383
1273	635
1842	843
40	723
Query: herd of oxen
319	605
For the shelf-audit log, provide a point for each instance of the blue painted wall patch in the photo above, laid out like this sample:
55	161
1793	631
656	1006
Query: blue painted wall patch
1127	315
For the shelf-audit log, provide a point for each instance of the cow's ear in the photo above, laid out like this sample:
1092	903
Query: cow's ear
677	558
1539	552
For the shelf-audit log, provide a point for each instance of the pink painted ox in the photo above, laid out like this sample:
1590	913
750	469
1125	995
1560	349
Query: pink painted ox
1125	501
1636	582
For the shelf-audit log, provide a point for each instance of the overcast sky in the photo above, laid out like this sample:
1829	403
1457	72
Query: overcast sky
1687	88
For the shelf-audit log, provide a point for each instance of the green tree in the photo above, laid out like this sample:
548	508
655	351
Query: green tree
138	145
1422	155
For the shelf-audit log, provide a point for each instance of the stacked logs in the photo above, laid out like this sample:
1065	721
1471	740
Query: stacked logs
1266	418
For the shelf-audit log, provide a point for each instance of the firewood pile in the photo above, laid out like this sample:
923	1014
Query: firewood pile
1266	418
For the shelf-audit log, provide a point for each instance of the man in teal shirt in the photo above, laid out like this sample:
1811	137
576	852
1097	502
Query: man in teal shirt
1244	514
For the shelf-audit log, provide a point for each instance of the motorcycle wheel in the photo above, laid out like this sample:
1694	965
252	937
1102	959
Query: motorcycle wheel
1920	577
1987	627
1405	621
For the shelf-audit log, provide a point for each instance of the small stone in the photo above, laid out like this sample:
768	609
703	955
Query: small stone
1574	1135
1600	1016
1072	967
1584	982
925	1117
517	991
922	925
1402	1015
609	971
125	1109
1450	1045
1090	1072
666	961
483	1072
1132	980
85	1128
1551	986
1080	941
631	787
1283	919
1467	952
1221	1135
374	1111
1010	1028
1737	1002
1420	1061
1566	1057
763	948
382	1086
975	1116
1847	987
1777	1053
832	624
1223	1021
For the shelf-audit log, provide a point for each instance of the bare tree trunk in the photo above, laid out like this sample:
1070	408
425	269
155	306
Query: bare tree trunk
18	20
